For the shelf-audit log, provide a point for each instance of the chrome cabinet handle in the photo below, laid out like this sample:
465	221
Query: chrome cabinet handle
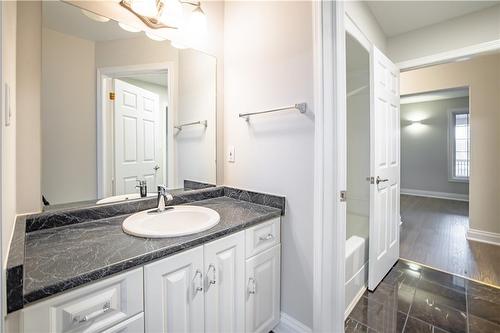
198	286
267	237
79	319
380	180
252	287
211	280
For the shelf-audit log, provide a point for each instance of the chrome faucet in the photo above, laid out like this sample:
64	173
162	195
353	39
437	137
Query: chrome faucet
163	198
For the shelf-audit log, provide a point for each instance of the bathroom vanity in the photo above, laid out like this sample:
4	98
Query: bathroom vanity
82	273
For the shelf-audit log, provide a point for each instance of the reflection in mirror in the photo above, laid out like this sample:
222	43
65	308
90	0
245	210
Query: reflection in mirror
121	113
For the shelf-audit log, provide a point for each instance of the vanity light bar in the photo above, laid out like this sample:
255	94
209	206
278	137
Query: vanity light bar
301	107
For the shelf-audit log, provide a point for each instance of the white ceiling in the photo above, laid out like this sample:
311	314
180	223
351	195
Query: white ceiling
68	19
434	95
397	17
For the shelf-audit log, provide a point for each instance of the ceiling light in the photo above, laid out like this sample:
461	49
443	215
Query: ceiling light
155	36
128	28
94	17
145	7
171	13
197	22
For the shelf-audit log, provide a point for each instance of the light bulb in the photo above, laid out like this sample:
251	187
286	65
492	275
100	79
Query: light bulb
172	13
154	36
94	17
128	28
145	7
197	23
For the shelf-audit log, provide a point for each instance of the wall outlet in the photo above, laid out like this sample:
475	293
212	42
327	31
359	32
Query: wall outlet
230	154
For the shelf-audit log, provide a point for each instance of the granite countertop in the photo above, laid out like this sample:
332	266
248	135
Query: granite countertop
60	258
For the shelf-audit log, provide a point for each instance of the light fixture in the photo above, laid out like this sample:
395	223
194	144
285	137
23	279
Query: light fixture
94	17
161	14
171	13
145	7
128	28
154	36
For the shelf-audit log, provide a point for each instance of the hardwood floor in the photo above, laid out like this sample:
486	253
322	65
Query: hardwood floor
433	234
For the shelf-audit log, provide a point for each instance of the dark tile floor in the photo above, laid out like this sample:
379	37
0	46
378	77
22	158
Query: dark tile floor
412	298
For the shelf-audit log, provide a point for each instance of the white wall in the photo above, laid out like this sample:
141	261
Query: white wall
268	62
482	76
363	18
195	145
28	138
424	148
68	118
479	27
8	133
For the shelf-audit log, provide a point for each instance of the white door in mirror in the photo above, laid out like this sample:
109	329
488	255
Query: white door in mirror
175	222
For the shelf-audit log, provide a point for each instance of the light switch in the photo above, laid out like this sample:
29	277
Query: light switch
230	154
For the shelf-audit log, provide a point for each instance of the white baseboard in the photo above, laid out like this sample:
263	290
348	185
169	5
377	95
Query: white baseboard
432	194
289	324
483	236
354	302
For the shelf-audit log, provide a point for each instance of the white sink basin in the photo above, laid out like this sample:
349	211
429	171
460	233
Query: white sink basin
179	221
123	197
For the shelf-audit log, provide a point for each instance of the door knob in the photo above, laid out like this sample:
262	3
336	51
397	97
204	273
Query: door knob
156	168
381	180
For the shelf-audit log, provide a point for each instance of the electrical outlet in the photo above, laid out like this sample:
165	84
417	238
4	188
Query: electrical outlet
230	154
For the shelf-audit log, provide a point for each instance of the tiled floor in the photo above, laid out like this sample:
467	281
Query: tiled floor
412	298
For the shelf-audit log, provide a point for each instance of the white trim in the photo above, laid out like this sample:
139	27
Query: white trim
448	56
451	145
483	236
433	194
356	299
289	324
104	73
329	165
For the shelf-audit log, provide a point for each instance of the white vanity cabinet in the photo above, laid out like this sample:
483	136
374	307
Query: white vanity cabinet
111	305
240	289
231	284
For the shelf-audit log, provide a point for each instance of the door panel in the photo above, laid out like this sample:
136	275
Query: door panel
384	193
137	137
225	284
174	300
263	294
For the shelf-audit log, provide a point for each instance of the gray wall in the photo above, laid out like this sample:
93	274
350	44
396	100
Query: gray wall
424	148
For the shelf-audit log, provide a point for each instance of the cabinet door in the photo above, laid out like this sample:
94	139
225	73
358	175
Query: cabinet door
225	284
263	291
174	293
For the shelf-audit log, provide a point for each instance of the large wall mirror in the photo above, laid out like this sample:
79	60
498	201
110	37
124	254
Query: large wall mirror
120	107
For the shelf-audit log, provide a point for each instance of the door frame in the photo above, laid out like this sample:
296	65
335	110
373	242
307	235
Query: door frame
104	77
329	165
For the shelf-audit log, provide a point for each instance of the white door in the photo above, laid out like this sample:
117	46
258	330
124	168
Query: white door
137	138
174	293
225	284
384	160
263	291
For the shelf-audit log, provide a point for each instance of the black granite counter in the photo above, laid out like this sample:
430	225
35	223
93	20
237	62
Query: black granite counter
49	258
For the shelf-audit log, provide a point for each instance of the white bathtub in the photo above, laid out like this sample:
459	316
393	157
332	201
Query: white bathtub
356	260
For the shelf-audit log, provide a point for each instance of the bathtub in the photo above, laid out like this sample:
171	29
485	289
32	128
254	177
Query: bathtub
356	260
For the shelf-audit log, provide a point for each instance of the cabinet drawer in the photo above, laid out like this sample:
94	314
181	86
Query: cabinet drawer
131	325
262	236
88	309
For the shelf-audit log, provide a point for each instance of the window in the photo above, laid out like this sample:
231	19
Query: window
459	142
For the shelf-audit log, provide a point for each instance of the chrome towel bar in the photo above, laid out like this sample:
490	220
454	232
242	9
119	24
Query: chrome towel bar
302	107
199	122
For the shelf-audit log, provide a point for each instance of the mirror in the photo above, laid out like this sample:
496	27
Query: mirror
120	107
